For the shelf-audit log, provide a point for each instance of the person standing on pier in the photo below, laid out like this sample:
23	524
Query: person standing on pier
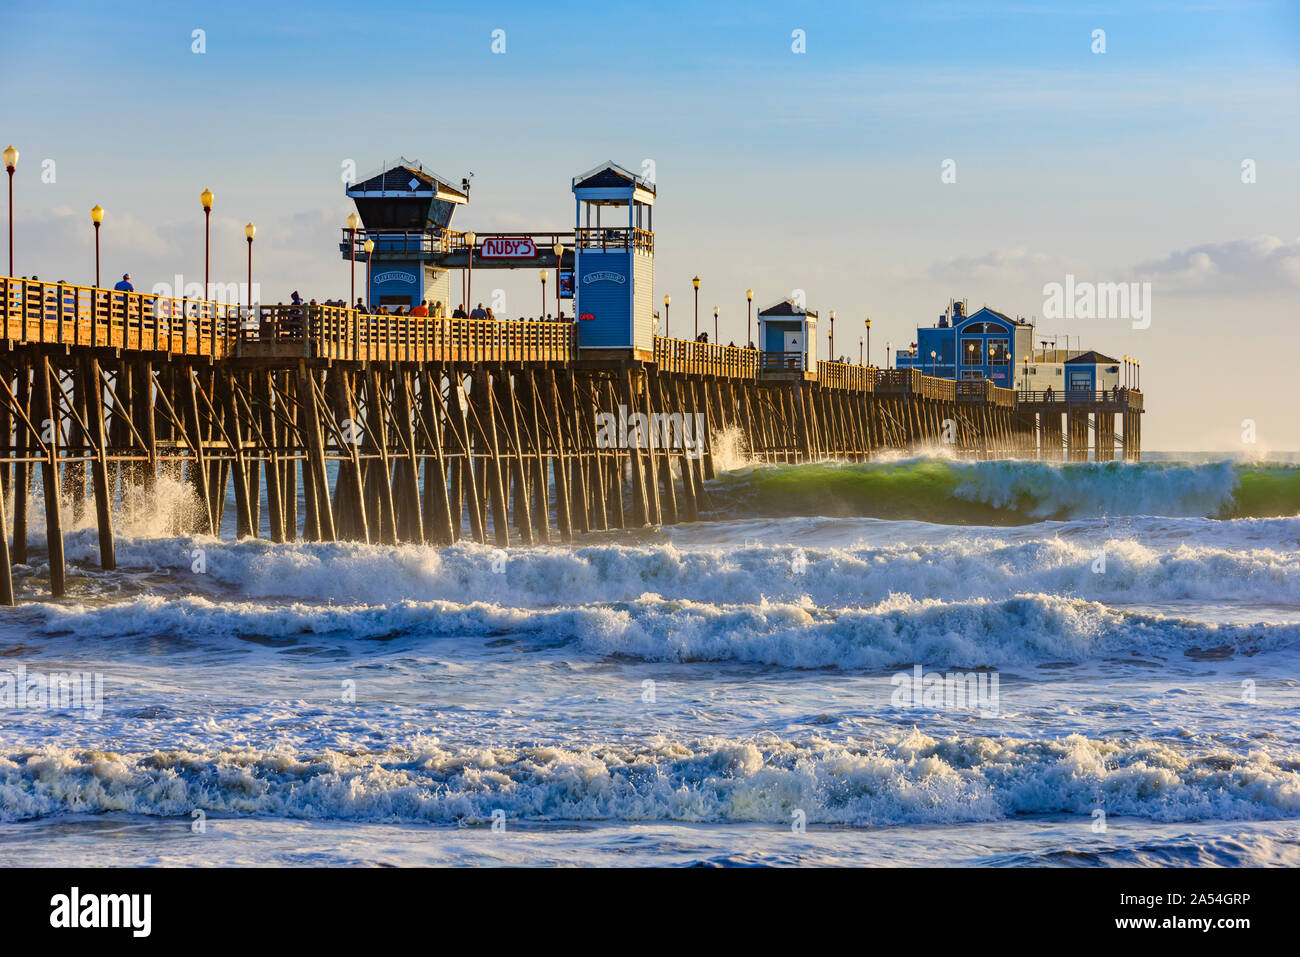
478	312
124	285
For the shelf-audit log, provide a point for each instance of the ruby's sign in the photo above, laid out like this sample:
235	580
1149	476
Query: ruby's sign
502	247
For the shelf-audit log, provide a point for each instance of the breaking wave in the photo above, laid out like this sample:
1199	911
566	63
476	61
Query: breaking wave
901	778
1008	492
1022	630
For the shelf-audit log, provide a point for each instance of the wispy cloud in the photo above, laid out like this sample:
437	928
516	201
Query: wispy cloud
1261	265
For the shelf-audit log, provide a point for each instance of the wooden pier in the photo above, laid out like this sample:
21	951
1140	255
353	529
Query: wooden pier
400	429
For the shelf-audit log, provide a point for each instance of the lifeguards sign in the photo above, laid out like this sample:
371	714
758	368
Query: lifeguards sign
503	247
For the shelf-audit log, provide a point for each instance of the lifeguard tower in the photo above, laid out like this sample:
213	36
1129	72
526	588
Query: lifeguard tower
406	209
787	337
614	268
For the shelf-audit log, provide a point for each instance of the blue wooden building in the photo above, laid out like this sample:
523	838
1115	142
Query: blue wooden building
983	345
614	262
787	337
407	211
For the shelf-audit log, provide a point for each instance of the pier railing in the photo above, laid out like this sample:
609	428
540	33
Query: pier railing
334	332
66	314
843	375
61	313
706	358
1129	398
898	380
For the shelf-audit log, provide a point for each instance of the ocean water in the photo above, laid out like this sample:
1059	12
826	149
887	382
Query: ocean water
1106	658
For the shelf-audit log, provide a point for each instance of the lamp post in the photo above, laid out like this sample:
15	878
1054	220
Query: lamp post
250	231
11	164
749	316
1138	362
832	342
933	357
353	222
668	301
97	217
470	239
859	350
205	198
558	249
370	248
694	282
715	324
541	273
1025	385
868	342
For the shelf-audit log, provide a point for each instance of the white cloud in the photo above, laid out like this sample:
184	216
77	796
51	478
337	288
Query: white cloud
1260	265
1001	268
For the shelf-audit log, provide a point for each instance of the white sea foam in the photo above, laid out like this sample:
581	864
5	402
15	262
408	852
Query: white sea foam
973	565
975	633
896	779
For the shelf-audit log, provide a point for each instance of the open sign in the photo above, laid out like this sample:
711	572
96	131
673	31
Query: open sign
587	315
502	247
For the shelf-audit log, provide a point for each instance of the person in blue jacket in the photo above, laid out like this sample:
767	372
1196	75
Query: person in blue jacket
125	284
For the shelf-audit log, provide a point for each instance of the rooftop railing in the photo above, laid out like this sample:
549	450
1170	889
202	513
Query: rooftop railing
610	237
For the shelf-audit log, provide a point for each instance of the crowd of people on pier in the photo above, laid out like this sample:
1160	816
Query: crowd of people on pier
428	309
436	309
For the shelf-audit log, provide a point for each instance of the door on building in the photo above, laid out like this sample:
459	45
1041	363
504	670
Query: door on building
1080	380
794	349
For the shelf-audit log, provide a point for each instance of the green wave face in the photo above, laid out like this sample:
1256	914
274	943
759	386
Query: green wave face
944	491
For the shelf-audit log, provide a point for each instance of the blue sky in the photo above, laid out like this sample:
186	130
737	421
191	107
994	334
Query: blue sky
776	170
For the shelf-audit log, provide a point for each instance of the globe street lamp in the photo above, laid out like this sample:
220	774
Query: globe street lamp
558	249
715	324
832	342
668	301
369	248
250	231
11	164
868	342
933	357
749	316
541	274
470	239
353	222
97	217
694	282
205	198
